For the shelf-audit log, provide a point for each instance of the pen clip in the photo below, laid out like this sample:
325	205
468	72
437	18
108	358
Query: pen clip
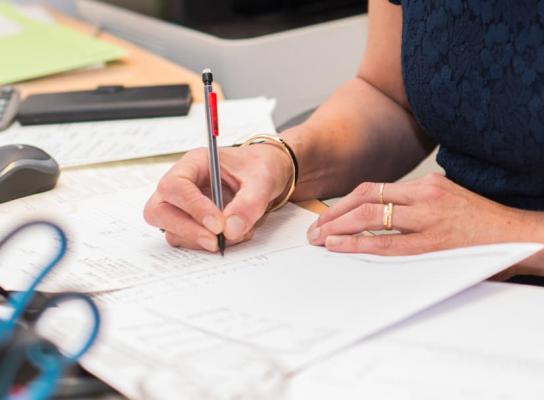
212	99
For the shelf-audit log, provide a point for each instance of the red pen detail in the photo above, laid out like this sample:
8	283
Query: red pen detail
212	99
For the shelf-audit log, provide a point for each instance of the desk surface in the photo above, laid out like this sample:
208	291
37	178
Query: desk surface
138	68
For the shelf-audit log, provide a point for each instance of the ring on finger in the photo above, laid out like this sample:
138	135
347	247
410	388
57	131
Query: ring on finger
382	187
388	217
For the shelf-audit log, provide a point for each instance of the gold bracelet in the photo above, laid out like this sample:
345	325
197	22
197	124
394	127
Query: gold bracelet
279	142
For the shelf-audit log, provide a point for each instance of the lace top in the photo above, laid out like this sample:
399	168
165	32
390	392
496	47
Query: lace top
474	77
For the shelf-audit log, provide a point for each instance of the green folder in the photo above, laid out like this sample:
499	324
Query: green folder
32	49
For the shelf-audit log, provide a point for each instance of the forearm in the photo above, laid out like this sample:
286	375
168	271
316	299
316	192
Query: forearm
358	134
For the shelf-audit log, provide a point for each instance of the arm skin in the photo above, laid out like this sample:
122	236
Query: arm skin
364	133
365	130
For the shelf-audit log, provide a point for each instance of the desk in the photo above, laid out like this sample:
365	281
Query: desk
138	68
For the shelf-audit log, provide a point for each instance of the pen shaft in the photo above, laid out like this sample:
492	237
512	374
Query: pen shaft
215	173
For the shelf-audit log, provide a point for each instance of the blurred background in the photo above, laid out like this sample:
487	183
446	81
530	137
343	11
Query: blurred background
296	51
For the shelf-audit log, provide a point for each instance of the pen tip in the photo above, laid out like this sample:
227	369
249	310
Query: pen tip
206	71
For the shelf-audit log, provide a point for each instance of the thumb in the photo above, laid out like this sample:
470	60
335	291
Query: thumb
246	208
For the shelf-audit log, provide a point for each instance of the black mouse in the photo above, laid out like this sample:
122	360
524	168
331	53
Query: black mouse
25	170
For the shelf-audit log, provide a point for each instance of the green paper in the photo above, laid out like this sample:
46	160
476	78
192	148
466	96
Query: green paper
35	49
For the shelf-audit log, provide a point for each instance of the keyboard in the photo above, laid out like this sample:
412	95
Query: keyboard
9	105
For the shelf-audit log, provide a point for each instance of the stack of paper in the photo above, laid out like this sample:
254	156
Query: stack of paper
284	302
32	48
485	343
85	143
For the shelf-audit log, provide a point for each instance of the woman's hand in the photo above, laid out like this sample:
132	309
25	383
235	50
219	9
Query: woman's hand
431	214
252	176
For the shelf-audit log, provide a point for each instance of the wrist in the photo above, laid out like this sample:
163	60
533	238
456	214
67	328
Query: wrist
287	176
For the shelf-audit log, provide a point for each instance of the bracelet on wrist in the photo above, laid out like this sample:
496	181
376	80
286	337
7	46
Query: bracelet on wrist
280	143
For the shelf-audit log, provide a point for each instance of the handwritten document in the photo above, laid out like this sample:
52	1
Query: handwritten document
85	183
76	144
290	311
485	343
150	356
111	246
305	302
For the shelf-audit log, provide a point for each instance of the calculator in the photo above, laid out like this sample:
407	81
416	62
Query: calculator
9	105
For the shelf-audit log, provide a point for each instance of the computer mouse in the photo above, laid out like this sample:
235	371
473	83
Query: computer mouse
25	170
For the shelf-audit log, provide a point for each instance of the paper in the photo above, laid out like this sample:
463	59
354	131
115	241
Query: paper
303	303
32	49
83	184
485	343
146	356
321	312
85	143
111	246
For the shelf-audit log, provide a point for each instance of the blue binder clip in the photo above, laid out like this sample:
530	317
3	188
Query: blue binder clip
31	365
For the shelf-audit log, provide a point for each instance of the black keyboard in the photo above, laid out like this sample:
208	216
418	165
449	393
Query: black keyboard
9	105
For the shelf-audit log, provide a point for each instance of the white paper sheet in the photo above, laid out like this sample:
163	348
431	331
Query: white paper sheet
75	144
485	343
137	350
111	246
338	299
303	303
85	183
305	312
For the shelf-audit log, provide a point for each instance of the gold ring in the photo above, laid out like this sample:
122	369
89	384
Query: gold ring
388	217
382	187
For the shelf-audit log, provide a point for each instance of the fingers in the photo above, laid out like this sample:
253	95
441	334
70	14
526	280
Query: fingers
369	192
386	245
245	210
179	189
181	229
364	217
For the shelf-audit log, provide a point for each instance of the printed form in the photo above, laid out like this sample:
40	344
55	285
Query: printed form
285	320
485	343
275	296
84	143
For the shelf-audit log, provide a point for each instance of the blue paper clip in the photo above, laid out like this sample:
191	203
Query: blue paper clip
23	345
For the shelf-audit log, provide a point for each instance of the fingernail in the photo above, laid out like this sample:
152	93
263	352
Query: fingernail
212	224
313	236
208	243
235	227
333	241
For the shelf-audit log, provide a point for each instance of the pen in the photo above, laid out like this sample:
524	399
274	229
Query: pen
210	99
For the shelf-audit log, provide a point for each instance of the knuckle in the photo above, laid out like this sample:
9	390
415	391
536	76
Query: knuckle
163	188
191	198
385	242
433	192
367	212
434	178
364	188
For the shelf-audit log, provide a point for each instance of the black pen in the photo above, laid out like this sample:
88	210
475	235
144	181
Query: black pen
210	99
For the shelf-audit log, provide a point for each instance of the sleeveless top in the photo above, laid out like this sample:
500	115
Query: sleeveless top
473	73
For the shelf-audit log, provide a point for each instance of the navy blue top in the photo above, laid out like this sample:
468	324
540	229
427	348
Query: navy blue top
474	77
